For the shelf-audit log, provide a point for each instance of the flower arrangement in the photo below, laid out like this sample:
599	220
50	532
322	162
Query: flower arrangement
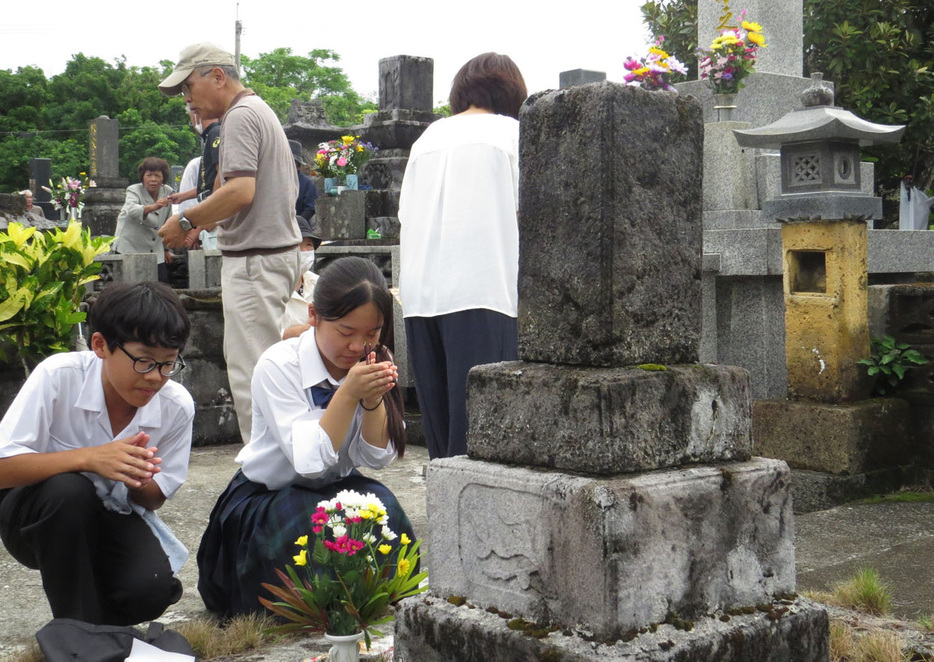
339	158
350	579
731	57
654	70
69	192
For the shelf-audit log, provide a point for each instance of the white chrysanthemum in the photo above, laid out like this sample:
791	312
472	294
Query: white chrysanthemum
369	538
388	533
339	530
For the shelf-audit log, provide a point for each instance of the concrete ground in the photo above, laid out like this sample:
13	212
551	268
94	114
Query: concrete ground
896	539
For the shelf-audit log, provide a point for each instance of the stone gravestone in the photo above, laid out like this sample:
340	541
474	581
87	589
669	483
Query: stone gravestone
579	77
643	552
104	201
40	174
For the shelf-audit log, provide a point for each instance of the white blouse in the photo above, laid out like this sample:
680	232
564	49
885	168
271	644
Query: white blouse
459	232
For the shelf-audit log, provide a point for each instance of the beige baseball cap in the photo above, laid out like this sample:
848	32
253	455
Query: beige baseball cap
192	57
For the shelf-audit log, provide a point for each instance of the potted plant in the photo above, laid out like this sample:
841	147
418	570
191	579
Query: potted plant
354	569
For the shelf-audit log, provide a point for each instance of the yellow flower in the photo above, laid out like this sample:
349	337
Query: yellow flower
347	139
302	541
658	51
754	27
403	567
301	558
384	549
366	514
756	38
404	539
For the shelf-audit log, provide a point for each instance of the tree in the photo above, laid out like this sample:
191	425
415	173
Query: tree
880	56
281	76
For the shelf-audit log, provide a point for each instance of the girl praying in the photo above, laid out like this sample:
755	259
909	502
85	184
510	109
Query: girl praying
324	403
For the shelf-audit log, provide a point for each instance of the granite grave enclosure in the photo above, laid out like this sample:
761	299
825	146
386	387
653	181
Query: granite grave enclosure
609	503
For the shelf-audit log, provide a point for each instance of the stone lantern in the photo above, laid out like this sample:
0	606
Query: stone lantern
826	424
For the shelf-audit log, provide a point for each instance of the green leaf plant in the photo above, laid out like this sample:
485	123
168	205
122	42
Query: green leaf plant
42	281
890	362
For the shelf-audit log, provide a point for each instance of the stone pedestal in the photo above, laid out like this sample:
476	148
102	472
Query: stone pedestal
844	439
101	207
433	630
614	554
608	420
204	269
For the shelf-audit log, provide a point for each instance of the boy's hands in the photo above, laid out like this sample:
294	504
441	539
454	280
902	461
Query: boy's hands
125	460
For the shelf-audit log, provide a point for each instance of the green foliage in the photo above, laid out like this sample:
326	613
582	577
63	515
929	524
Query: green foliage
676	20
48	117
281	76
889	362
42	279
879	55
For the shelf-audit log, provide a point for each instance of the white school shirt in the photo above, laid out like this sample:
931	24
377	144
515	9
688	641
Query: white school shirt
61	407
287	445
459	234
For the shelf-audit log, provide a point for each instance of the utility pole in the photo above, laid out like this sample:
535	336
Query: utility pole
238	30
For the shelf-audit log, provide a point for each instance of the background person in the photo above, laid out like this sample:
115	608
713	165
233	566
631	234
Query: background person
202	180
254	207
295	321
34	212
322	406
460	244
145	209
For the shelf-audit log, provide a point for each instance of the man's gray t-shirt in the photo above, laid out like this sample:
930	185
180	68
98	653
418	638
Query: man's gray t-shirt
253	144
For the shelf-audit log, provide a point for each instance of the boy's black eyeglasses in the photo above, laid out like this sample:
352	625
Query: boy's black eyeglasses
144	365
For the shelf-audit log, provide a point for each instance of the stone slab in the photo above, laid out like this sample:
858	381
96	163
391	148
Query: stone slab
765	99
342	216
405	82
129	268
607	420
429	629
729	170
736	219
616	553
576	77
204	269
610	226
845	439
746	252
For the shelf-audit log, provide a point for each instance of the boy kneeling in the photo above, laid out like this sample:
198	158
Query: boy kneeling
91	446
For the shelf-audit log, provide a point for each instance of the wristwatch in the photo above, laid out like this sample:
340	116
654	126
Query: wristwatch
184	223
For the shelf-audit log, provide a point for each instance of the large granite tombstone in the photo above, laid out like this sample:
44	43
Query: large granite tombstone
104	201
667	528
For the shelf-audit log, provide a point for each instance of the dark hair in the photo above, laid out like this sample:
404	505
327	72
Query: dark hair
155	164
149	313
345	285
490	81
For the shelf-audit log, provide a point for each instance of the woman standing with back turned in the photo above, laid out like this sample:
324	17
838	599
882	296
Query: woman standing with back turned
460	244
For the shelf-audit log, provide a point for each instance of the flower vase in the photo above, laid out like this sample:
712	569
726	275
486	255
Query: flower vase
352	182
344	648
328	185
724	104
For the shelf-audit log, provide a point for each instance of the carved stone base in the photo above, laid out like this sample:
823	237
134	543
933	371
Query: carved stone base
616	553
429	629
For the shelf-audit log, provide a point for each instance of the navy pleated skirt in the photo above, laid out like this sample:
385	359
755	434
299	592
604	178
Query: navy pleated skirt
252	532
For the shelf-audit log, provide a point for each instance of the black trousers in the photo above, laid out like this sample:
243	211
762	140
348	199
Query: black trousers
97	566
442	350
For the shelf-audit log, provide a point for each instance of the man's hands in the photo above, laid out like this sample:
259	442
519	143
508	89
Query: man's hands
171	232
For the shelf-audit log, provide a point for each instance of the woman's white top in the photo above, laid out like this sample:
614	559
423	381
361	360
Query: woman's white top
460	236
288	445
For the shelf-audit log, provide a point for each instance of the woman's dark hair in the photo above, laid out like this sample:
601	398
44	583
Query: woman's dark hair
149	313
490	81
155	164
345	285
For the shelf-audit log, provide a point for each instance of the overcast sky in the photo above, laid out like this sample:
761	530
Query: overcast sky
543	40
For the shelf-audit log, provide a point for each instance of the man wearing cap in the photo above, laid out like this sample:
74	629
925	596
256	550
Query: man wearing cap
254	206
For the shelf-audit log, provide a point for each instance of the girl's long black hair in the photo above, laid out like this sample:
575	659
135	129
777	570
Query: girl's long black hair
345	285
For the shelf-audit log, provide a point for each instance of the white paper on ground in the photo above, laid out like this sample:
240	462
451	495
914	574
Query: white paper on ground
143	652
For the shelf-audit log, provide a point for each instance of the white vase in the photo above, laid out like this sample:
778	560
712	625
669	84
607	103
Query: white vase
344	648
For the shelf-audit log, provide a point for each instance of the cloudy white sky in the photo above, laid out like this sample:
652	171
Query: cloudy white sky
544	40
